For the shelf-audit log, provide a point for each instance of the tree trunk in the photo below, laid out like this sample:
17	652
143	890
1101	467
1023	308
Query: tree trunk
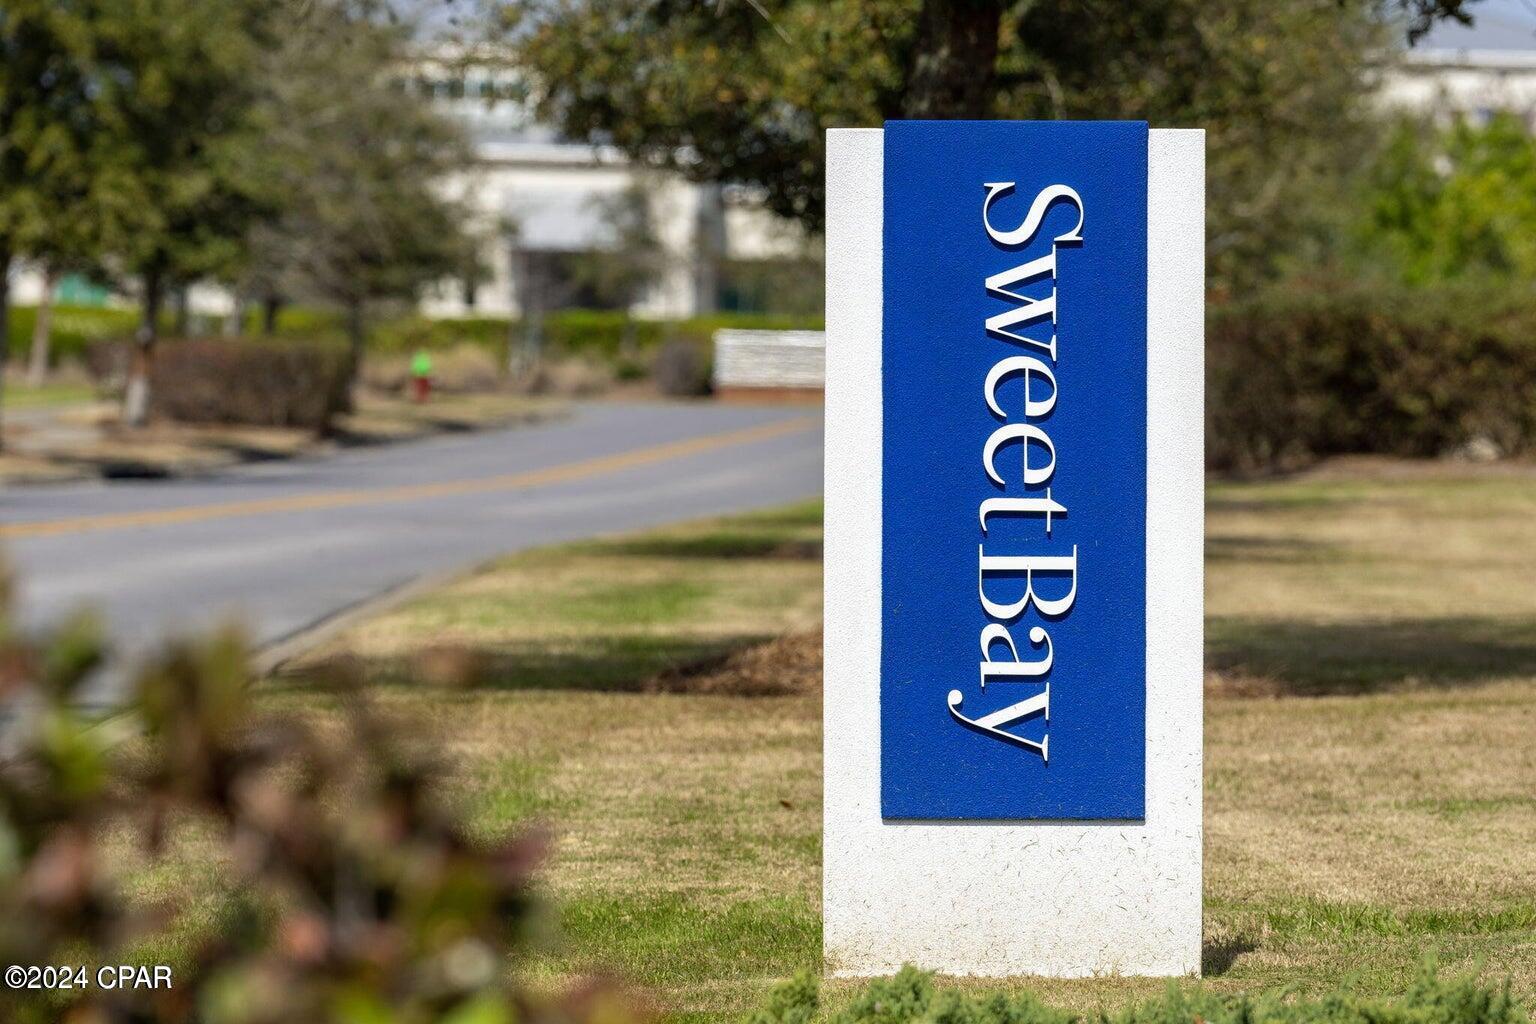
183	323
523	356
42	330
234	324
509	349
5	325
136	395
357	340
533	338
271	305
954	60
629	340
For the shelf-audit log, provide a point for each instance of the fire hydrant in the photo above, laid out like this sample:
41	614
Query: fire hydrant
421	376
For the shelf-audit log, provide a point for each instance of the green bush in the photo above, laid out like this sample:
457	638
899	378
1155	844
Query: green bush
248	382
74	329
566	332
1298	373
574	331
911	996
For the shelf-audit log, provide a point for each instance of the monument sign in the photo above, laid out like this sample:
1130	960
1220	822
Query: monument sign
1014	530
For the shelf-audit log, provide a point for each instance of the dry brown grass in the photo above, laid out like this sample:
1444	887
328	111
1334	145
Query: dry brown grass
784	665
1347	836
1405	576
88	441
668	610
387	417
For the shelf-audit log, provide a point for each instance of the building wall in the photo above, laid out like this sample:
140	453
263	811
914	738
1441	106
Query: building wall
1473	83
534	192
531	191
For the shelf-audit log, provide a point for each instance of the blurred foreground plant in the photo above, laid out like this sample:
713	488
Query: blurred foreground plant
350	891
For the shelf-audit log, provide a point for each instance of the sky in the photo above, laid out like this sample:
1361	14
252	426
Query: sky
1498	25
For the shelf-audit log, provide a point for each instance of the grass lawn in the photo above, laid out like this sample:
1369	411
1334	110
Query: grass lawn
88	441
1370	736
19	395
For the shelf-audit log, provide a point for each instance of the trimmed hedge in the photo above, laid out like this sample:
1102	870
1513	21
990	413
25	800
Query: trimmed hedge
250	383
571	331
911	997
576	331
1294	374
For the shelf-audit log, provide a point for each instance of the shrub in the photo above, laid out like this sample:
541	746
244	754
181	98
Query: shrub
1296	374
588	332
106	362
910	997
344	885
248	382
463	368
597	333
566	376
682	368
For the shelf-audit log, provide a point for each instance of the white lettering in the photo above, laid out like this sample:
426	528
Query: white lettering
1025	365
1017	668
1022	234
1003	324
1025	432
1022	507
1027	309
1039	704
1029	565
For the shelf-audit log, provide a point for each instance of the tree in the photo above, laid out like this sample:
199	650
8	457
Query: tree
743	92
362	162
69	247
632	259
176	86
1453	203
51	200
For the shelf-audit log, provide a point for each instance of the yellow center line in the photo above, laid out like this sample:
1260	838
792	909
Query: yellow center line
376	496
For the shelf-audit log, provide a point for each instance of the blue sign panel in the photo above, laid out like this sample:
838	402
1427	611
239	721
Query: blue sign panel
1013	649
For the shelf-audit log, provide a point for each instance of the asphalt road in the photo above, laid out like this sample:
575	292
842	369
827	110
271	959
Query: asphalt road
282	546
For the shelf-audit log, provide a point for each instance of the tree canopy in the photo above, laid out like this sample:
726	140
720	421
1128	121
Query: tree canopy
1454	203
269	145
362	164
743	92
53	203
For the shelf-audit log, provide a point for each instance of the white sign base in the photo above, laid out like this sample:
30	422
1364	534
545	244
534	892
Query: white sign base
995	899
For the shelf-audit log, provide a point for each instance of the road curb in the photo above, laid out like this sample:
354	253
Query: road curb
272	656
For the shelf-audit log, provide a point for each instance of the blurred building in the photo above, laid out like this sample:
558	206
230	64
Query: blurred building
1471	70
544	204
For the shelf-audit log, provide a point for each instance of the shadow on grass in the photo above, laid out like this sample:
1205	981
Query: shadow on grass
1302	658
720	544
1269	550
806	515
247	452
612	664
1280	500
1218	955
